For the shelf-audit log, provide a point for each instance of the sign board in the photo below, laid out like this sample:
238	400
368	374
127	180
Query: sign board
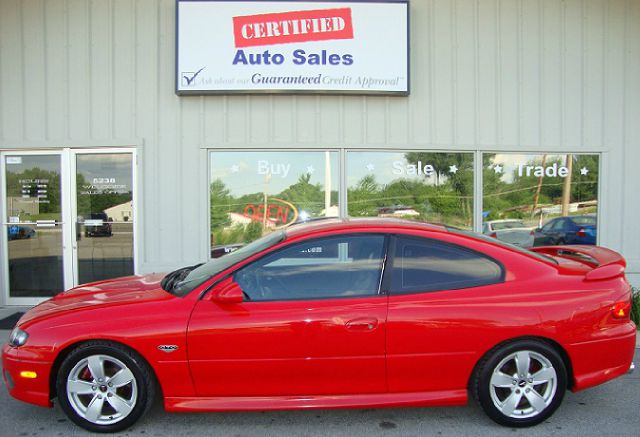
357	47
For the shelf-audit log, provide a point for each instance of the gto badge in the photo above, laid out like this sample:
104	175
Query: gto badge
168	347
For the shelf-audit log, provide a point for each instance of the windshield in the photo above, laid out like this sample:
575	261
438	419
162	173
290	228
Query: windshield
539	256
203	272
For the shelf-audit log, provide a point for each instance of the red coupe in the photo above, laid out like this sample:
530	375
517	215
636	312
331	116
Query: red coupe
339	313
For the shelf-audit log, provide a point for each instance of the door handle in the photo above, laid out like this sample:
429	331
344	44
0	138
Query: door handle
362	324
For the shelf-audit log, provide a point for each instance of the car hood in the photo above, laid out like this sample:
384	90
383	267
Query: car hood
113	292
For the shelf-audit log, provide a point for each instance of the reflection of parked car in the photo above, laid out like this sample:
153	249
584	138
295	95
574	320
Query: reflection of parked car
510	231
397	211
355	313
577	229
223	249
97	225
18	232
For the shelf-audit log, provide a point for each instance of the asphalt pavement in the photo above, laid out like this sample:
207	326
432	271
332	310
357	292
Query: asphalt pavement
610	409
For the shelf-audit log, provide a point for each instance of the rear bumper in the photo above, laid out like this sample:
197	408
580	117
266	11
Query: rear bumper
27	389
598	361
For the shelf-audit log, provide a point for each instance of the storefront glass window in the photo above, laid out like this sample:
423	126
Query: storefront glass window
254	192
540	199
425	186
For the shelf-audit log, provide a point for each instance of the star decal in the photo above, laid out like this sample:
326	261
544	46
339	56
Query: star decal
584	171
453	169
235	168
310	169
497	168
371	167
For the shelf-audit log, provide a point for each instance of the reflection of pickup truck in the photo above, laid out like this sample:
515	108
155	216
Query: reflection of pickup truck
97	225
510	231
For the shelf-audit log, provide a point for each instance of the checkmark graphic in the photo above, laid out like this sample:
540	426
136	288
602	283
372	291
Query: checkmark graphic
189	80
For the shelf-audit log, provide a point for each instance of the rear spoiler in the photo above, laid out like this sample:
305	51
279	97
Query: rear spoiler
606	263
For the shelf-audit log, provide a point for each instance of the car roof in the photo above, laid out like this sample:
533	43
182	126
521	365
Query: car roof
330	224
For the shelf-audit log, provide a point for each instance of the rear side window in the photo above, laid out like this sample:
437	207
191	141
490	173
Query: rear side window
422	264
584	221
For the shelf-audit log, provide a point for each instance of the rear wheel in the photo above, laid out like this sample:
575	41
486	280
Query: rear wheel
521	383
104	387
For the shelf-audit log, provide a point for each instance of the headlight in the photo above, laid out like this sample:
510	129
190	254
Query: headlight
18	337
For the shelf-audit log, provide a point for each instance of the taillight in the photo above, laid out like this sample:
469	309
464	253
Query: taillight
621	310
493	235
581	232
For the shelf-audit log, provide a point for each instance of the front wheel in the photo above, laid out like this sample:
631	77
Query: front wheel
521	383
104	387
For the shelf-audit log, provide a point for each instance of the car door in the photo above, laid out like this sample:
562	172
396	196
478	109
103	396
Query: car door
312	323
549	233
563	232
436	309
570	232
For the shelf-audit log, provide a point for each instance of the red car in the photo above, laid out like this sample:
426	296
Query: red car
340	313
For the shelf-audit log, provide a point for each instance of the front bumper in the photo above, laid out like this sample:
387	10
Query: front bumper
34	390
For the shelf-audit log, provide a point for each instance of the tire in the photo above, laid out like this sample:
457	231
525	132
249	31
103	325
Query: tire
514	400
109	377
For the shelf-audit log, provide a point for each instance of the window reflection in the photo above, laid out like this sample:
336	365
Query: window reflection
34	232
424	186
253	193
541	199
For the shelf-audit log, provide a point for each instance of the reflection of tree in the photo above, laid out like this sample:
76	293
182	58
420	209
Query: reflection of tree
220	200
50	204
586	187
441	163
449	199
304	195
100	202
515	199
452	199
363	198
90	199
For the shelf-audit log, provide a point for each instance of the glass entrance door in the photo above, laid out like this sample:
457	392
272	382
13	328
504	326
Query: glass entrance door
104	216
33	225
67	219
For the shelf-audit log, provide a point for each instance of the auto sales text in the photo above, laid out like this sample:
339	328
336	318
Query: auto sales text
300	57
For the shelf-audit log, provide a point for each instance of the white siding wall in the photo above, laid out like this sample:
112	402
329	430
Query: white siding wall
534	75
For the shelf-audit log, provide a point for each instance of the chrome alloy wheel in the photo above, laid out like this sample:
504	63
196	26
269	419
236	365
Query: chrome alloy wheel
523	384
102	389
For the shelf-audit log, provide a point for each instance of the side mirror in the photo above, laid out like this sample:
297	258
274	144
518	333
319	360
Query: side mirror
227	292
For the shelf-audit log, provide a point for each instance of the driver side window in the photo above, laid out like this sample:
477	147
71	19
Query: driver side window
342	266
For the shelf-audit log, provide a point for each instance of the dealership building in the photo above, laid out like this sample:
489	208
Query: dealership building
141	136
